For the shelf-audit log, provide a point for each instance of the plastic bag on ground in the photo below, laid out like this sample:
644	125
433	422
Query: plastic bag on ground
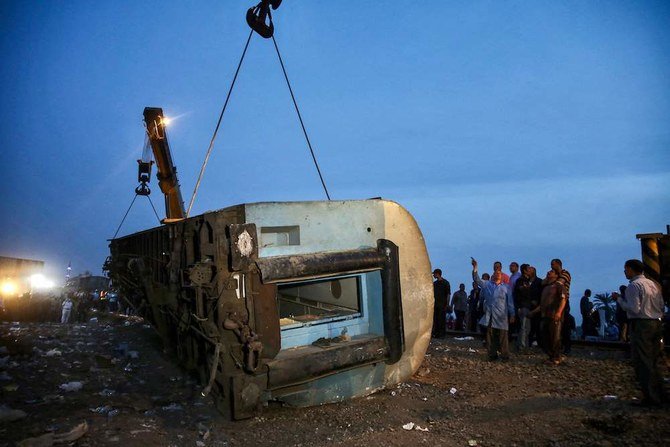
72	386
53	353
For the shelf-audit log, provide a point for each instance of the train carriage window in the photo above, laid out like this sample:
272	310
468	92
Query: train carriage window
280	236
319	301
327	308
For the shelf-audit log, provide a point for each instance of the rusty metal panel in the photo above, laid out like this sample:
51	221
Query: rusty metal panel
344	385
309	362
266	315
247	393
392	301
279	268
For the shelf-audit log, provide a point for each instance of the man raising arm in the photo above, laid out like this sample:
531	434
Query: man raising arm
499	311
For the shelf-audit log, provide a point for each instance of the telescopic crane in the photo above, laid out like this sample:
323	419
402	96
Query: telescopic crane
167	172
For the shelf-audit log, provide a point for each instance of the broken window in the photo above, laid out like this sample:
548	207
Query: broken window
319	301
329	307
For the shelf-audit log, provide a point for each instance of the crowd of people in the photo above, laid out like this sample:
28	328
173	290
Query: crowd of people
595	326
64	307
77	307
538	311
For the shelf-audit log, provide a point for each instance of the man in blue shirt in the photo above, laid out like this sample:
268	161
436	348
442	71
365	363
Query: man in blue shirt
498	312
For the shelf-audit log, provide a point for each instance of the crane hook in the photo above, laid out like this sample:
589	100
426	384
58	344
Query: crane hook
257	16
143	176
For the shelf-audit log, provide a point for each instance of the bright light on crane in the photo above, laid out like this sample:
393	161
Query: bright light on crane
39	281
166	121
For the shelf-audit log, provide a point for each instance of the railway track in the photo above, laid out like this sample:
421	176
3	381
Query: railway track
600	344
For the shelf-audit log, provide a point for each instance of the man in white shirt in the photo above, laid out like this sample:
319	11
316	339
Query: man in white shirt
67	308
643	304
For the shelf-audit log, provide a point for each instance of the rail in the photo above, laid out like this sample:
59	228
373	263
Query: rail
602	344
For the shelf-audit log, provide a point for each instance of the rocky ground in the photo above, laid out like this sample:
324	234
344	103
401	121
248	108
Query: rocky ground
107	383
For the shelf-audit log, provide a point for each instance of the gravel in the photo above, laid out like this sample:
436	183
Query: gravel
456	397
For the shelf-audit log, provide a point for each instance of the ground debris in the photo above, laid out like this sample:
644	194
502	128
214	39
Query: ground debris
521	401
71	386
49	439
613	425
53	353
10	415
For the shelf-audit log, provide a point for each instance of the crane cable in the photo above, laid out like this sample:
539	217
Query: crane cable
216	130
128	210
225	104
124	216
154	208
295	104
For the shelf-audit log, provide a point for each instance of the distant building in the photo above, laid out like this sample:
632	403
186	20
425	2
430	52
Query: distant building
18	267
87	283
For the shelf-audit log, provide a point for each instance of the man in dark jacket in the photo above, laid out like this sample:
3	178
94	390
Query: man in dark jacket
474	305
441	294
586	309
526	291
459	302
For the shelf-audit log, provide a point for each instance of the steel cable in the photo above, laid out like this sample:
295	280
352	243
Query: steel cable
295	104
216	130
124	216
154	208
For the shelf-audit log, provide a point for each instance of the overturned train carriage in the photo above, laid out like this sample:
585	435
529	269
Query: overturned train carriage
303	303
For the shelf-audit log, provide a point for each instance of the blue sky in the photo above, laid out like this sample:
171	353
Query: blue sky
511	130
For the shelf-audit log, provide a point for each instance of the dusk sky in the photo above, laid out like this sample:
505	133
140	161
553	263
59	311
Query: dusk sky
521	130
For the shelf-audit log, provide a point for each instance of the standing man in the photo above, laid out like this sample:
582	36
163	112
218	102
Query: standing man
552	305
563	277
515	275
497	267
499	311
67	308
535	335
481	310
441	294
473	303
460	304
527	290
643	304
585	308
622	318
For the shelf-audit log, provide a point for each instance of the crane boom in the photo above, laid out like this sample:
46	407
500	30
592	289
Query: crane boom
167	171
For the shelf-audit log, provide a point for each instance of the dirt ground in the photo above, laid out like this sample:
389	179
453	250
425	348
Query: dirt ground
132	394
